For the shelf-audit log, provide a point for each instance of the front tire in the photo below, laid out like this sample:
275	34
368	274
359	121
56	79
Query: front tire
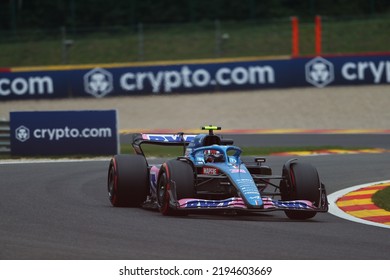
303	183
176	179
127	182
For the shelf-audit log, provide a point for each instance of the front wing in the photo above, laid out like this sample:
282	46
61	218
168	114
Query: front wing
236	203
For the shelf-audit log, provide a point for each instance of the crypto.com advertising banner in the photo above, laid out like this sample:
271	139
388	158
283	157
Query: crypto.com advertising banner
197	77
64	133
34	84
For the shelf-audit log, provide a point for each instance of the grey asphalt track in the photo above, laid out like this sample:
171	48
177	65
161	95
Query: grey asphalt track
61	211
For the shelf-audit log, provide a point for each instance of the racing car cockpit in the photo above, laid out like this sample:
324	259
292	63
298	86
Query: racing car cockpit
206	148
211	156
216	154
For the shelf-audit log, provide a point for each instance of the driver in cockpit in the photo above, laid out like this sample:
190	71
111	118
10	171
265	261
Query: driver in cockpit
211	156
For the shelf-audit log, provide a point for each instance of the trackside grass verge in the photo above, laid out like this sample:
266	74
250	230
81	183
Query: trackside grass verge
163	151
382	199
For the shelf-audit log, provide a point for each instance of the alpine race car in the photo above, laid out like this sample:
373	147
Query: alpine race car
211	175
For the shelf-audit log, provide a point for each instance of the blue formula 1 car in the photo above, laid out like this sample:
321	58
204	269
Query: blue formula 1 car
212	176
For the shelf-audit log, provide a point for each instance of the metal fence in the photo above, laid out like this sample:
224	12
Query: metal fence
153	42
5	145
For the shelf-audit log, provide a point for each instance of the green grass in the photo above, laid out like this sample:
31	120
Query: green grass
191	41
382	198
164	151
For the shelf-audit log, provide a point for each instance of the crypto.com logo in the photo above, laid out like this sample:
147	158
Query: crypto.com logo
98	82
319	72
22	133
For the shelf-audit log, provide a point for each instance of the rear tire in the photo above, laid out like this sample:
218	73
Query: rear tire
127	183
175	175
303	184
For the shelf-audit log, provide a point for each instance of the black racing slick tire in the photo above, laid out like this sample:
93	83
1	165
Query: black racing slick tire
176	179
303	184
128	182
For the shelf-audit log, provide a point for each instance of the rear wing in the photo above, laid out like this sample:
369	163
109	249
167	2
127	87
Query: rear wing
178	139
162	139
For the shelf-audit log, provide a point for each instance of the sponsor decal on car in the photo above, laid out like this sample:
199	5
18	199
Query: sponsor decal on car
168	137
232	202
237	170
210	171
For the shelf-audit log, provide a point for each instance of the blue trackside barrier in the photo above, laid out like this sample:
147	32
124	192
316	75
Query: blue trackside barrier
196	77
64	133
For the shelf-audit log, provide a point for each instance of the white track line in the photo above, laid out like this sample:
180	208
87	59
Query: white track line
334	210
23	161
